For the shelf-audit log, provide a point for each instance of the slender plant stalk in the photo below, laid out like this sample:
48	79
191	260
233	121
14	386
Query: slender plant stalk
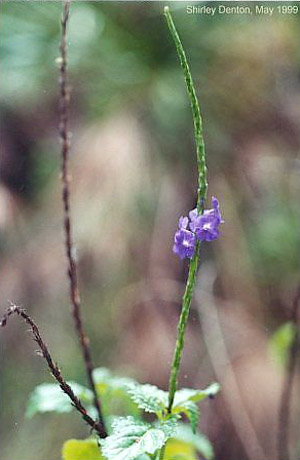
201	197
186	303
72	266
286	395
54	369
197	119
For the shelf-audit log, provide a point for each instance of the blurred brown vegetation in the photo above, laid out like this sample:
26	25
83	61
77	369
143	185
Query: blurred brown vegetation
133	175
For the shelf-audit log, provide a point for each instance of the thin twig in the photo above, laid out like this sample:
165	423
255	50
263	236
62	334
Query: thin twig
72	266
285	400
54	369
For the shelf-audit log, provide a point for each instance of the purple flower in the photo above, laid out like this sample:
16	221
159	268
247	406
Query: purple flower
203	227
206	225
184	240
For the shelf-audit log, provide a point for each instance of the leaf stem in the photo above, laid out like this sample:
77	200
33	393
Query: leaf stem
201	197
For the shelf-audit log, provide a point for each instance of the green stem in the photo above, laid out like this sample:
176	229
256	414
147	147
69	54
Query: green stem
201	197
199	140
186	303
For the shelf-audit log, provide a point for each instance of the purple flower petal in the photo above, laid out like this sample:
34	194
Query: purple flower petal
193	214
216	207
183	222
205	226
184	244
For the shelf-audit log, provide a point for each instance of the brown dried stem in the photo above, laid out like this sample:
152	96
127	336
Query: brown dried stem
72	266
285	401
54	369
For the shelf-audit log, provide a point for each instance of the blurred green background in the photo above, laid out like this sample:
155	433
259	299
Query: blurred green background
134	174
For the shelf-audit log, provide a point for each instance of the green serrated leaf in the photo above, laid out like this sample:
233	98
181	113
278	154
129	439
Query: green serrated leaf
198	440
188	394
113	393
281	342
131	438
103	375
185	402
48	397
87	449
149	398
191	410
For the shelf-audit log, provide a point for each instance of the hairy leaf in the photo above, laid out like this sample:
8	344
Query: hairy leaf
185	402
48	397
191	410
149	398
113	393
104	376
76	449
188	394
131	438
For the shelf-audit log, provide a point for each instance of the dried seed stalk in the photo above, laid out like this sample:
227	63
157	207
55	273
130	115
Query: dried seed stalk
54	369
72	266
